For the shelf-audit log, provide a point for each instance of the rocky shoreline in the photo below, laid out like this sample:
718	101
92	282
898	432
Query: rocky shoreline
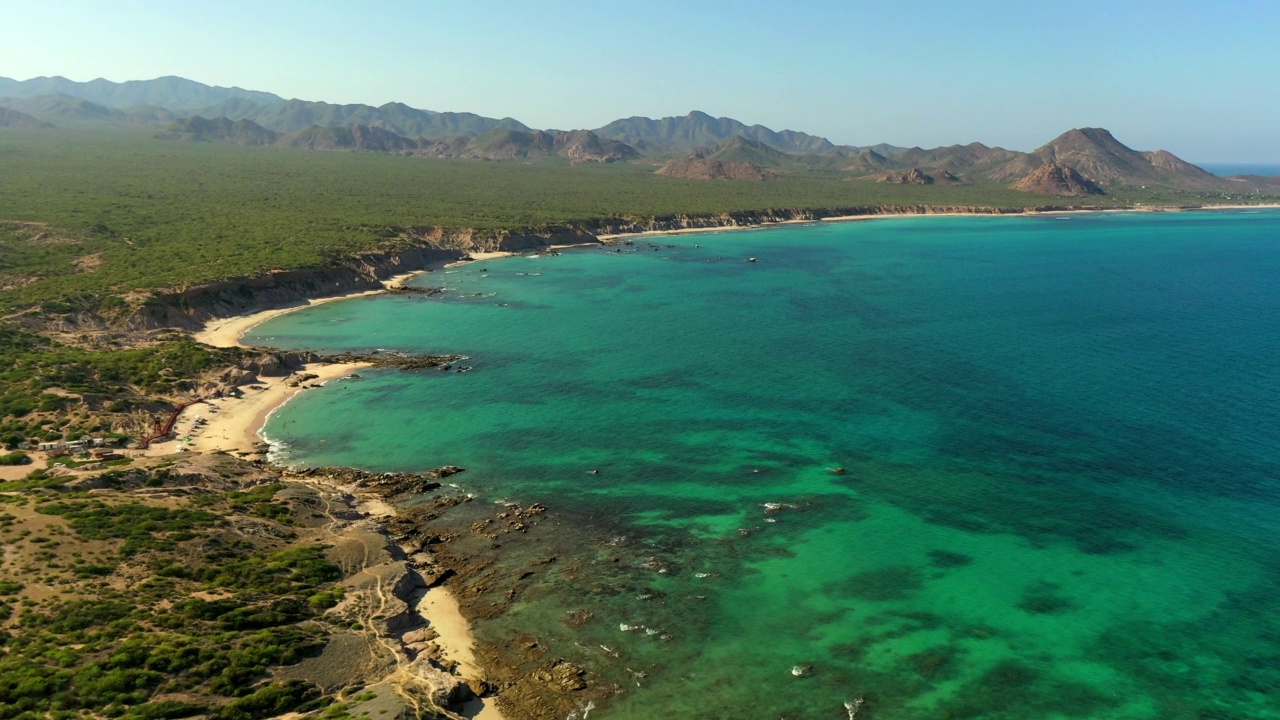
438	537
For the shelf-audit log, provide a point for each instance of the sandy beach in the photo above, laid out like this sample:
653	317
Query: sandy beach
234	425
226	332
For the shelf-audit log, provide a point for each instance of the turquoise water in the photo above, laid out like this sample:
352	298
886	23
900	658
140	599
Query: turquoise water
1060	435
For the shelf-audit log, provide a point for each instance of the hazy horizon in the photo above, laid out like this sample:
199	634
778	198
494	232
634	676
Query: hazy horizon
1174	76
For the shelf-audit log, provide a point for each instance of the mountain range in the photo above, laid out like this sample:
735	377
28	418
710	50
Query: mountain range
55	99
172	93
1080	162
577	146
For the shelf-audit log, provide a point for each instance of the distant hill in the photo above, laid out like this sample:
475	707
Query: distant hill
168	98
149	115
357	137
293	115
62	108
14	119
577	146
241	132
916	176
1079	162
1098	156
586	146
740	149
708	169
175	94
698	129
867	162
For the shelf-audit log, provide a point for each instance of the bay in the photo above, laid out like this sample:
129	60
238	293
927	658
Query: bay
1059	435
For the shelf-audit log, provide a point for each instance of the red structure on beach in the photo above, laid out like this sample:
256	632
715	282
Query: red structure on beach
162	431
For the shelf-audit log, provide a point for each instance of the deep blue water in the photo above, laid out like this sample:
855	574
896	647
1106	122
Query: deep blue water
1229	169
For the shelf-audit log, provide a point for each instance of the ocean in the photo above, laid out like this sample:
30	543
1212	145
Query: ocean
1229	169
952	467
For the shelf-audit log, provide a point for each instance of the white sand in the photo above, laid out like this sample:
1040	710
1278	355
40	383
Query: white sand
440	608
226	332
234	424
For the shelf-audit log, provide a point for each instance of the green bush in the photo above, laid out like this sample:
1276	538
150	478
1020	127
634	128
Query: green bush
270	701
15	458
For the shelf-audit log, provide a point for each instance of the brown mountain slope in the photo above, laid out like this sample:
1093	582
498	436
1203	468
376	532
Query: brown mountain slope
1167	161
1092	153
1054	179
585	146
1096	154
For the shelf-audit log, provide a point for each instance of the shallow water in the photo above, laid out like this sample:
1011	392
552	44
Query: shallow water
1060	436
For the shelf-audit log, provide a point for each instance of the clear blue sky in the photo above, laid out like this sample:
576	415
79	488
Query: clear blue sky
1201	79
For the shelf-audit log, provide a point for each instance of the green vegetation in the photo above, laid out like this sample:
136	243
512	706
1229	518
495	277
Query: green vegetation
89	213
214	612
259	502
15	458
117	381
142	527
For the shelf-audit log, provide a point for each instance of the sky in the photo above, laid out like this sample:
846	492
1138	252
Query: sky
1199	79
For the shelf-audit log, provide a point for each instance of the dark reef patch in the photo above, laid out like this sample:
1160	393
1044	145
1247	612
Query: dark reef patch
895	582
947	559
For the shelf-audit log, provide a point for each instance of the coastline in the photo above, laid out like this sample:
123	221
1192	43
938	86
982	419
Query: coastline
234	425
615	237
226	332
238	423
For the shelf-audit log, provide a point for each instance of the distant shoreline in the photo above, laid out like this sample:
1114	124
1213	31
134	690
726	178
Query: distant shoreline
884	216
229	331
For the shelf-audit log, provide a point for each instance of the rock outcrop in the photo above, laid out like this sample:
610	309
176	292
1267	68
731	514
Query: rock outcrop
914	176
1055	179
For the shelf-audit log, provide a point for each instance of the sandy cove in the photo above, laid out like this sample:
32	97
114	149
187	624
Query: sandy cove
235	425
226	332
